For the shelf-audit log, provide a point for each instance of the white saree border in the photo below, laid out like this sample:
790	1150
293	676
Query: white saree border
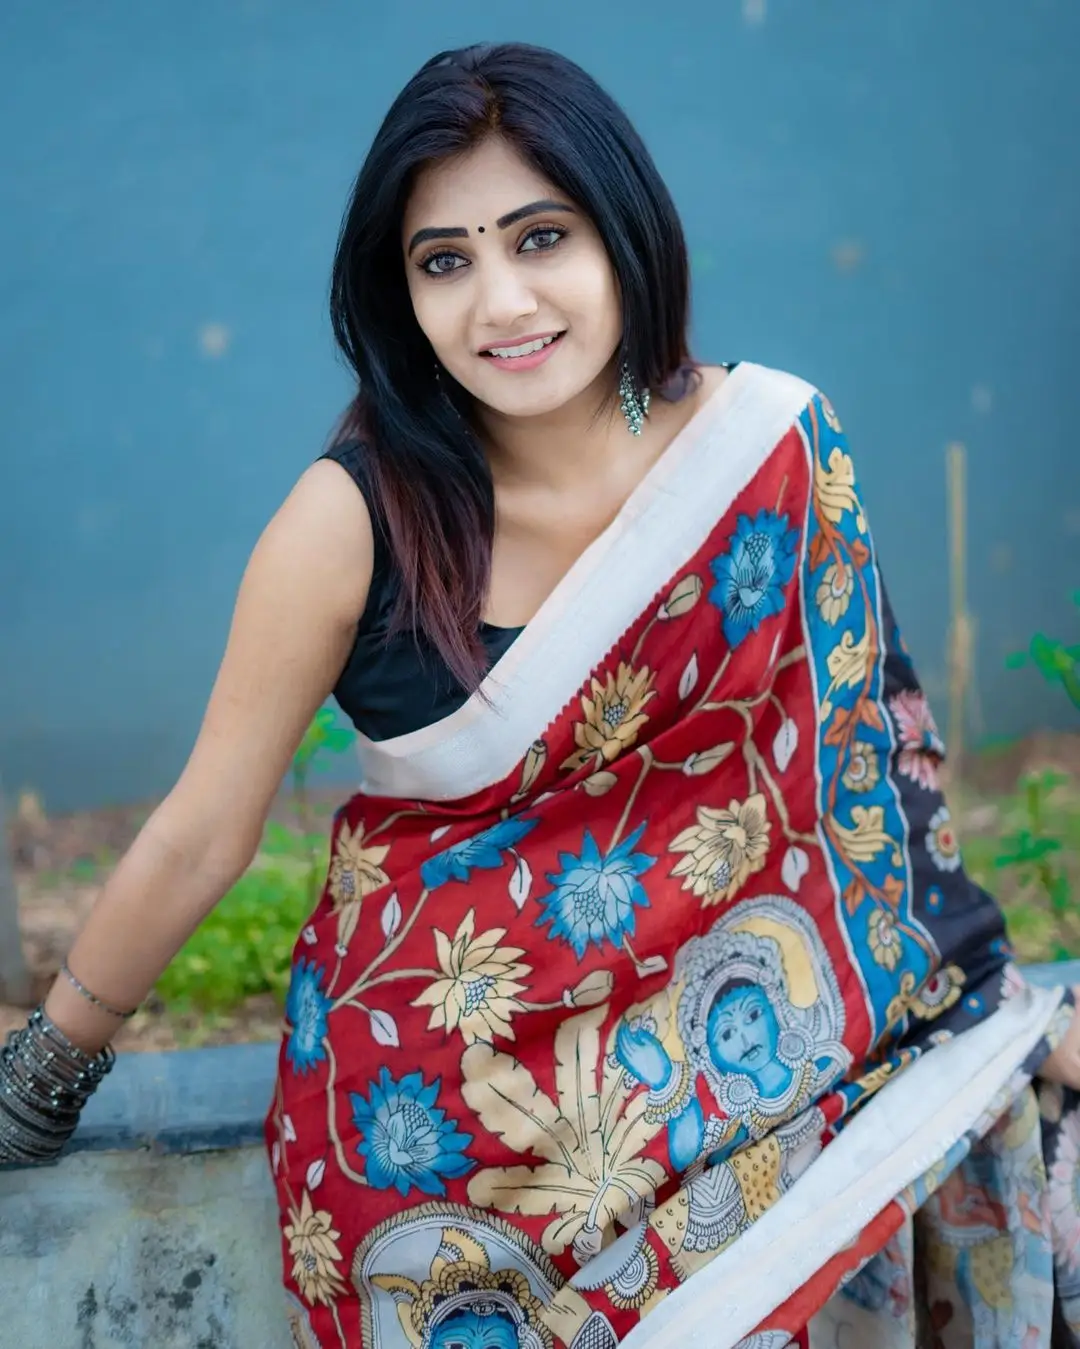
907	1129
661	526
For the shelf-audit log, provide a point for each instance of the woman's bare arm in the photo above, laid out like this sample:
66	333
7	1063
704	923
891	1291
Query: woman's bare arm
303	591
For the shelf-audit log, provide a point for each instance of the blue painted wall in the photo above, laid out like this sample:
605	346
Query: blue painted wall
882	197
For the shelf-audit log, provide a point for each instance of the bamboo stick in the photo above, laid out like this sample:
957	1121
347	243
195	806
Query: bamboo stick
961	627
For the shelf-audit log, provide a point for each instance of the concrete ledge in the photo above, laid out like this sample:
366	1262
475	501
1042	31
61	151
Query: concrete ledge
185	1100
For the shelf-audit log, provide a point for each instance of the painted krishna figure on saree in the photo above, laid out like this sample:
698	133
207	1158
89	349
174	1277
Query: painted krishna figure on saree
647	999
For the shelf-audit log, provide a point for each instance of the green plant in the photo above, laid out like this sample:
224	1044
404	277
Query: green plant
244	947
1056	662
1034	853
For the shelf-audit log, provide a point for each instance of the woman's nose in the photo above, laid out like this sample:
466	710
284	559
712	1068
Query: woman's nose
503	299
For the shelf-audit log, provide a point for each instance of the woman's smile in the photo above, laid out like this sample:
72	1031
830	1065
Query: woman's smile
525	354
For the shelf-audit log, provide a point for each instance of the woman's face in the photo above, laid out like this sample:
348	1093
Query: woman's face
499	259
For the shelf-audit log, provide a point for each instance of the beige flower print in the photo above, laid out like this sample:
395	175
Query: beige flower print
723	850
355	871
863	771
834	591
885	943
315	1254
478	993
613	716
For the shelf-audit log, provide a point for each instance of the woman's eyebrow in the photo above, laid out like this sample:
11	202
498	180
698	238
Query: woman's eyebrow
533	208
431	232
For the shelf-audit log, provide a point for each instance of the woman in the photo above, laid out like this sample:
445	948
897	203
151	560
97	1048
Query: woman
648	894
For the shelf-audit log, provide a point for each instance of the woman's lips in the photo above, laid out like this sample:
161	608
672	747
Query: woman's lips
529	362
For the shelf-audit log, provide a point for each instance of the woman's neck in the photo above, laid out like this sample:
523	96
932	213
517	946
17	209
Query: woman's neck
585	440
580	439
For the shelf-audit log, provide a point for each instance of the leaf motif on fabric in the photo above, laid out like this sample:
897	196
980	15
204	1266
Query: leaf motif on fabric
532	1191
684	595
577	1053
439	833
689	677
384	1029
854	894
531	769
599	784
793	868
871	715
504	1094
309	935
315	1173
275	1157
704	761
860	554
834	486
288	1128
785	743
847	663
520	882
867	837
391	916
590	1139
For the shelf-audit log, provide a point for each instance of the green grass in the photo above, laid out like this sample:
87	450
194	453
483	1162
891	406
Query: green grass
1038	932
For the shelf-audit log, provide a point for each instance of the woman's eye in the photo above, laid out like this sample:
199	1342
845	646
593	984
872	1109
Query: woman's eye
541	240
434	265
726	1033
755	1014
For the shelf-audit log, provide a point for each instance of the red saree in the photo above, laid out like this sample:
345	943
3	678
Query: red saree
649	997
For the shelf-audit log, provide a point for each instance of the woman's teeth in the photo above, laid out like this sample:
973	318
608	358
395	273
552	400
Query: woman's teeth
526	349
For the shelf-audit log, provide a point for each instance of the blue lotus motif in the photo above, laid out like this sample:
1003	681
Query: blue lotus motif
407	1141
306	1009
596	894
482	852
751	576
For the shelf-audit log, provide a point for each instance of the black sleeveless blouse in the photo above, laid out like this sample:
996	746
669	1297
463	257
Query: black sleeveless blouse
393	685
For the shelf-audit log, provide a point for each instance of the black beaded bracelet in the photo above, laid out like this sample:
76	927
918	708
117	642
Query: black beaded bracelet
45	1081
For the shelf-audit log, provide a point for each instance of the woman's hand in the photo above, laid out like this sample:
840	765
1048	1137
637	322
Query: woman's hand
1063	1065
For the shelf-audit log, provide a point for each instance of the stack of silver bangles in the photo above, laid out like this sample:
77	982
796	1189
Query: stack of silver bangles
45	1081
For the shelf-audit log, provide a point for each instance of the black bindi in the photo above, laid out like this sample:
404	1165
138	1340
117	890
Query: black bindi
479	229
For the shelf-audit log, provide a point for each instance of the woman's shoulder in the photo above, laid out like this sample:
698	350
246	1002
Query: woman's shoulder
774	378
353	455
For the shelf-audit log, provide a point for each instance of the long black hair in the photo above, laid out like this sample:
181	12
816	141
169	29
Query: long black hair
431	484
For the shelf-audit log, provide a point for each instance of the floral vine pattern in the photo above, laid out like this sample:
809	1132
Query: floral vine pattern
632	989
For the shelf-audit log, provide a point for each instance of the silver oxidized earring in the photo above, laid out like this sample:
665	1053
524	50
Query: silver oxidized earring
635	406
